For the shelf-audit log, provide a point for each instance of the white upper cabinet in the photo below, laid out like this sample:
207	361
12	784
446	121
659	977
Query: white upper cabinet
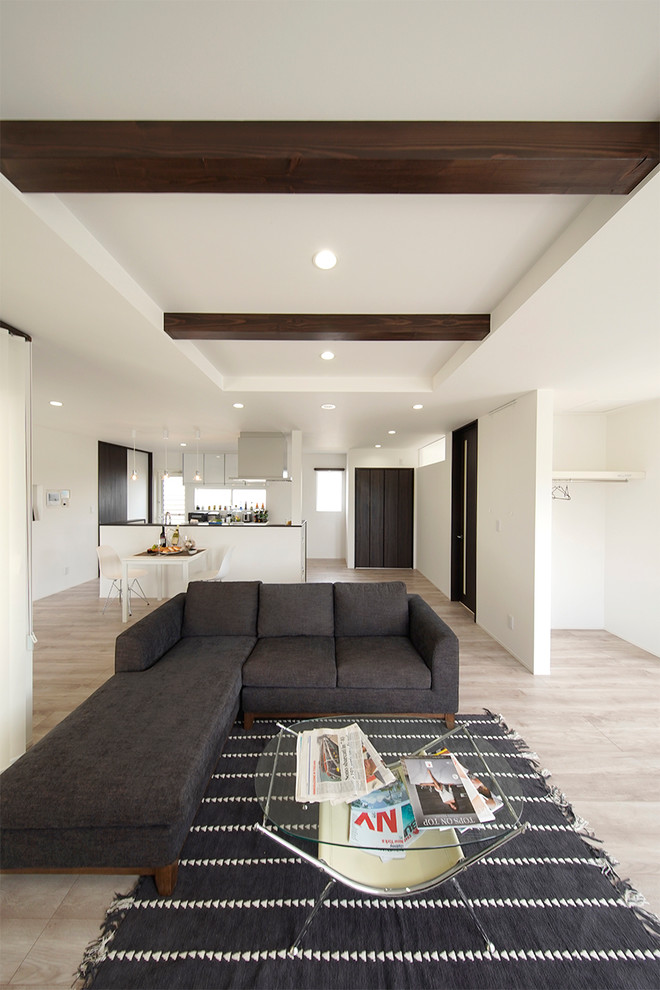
214	469
231	467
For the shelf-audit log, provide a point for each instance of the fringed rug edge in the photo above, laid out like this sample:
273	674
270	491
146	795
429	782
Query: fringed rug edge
97	950
632	897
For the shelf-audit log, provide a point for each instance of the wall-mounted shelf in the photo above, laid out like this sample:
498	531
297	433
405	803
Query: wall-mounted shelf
598	475
562	479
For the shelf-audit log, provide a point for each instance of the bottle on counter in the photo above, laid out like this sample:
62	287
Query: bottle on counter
162	539
175	537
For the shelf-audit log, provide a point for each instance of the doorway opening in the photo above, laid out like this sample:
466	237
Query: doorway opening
464	517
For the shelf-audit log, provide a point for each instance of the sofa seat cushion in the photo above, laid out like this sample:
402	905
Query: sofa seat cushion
292	661
380	661
221	608
379	609
296	610
136	753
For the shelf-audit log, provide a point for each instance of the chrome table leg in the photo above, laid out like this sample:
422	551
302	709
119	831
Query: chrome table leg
293	951
482	931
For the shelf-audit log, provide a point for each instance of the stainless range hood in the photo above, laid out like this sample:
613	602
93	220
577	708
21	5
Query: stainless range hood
262	457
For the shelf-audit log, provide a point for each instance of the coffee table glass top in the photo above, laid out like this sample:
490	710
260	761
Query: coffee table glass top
328	825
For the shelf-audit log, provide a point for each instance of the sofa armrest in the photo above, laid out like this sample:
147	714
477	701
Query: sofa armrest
437	644
141	646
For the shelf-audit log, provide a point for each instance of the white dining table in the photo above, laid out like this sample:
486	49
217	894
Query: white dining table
159	560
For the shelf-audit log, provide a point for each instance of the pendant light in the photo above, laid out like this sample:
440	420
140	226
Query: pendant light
134	476
198	476
166	437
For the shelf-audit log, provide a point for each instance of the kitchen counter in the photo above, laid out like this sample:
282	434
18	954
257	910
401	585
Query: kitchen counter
269	552
267	525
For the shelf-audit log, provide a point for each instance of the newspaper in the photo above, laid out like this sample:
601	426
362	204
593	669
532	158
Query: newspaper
337	765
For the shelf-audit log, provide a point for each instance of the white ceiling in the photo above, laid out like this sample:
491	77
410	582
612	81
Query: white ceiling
572	282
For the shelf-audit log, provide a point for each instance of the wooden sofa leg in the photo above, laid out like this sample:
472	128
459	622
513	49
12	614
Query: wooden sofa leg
165	877
449	720
248	720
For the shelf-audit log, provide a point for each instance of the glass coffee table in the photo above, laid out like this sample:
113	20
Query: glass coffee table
319	832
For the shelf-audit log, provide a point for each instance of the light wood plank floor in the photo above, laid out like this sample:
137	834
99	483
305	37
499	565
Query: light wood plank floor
594	723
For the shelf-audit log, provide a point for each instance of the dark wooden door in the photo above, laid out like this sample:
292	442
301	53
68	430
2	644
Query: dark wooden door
384	517
464	517
113	483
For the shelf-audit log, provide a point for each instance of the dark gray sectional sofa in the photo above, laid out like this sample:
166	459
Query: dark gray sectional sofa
116	785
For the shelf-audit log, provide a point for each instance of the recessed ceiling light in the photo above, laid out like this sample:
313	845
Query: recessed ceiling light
378	445
328	405
392	432
327	355
54	402
325	259
238	405
183	444
418	406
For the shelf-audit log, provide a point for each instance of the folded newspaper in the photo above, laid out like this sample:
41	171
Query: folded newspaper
337	765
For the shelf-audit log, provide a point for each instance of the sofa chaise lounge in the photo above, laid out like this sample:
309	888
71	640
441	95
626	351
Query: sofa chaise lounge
115	786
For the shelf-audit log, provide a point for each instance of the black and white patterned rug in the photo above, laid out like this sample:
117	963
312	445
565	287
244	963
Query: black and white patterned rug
558	915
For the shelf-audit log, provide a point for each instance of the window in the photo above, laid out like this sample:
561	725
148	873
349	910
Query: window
174	498
433	452
206	498
329	490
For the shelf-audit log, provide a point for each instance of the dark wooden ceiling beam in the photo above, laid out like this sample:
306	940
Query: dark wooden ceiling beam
326	326
416	157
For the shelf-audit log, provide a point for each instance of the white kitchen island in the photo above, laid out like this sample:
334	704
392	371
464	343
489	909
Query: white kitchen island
268	552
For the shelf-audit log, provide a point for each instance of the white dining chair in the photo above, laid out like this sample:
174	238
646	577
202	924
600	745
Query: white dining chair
220	573
111	569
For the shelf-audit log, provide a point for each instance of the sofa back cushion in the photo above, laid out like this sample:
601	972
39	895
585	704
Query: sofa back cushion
296	610
378	609
221	608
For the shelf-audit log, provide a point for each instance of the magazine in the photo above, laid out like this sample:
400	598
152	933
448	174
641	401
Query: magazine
440	792
383	822
338	765
483	794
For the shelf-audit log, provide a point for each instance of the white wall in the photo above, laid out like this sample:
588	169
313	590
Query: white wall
326	531
372	458
64	539
514	528
632	527
278	494
578	525
433	549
